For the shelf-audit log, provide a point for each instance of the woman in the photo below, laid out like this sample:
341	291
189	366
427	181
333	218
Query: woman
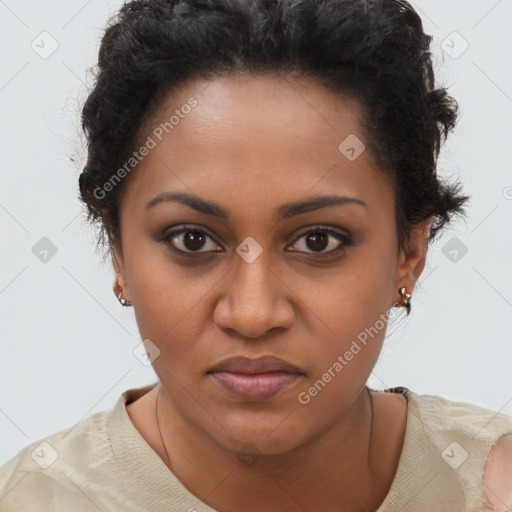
264	177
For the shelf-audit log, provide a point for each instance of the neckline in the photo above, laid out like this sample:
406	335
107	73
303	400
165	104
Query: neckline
398	488
142	464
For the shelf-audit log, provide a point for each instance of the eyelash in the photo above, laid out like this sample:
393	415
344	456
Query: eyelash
341	237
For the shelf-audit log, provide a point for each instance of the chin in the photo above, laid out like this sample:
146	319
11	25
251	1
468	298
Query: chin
272	434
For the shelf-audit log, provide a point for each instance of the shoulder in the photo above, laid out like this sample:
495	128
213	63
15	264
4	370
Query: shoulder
462	416
474	442
48	467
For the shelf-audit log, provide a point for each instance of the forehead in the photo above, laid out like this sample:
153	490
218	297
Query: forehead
256	137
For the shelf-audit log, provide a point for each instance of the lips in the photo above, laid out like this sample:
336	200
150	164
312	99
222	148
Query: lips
263	364
254	379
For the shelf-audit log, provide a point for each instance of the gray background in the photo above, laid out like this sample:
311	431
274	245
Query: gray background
66	343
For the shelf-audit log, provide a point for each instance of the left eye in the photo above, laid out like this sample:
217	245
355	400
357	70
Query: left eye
318	241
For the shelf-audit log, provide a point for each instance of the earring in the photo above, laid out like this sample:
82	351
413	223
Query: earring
407	299
122	300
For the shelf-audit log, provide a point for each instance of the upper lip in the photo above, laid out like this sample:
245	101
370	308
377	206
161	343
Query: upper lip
263	364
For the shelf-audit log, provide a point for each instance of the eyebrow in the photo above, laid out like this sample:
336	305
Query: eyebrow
285	211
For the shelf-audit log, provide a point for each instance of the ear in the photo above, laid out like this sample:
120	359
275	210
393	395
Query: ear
412	260
120	285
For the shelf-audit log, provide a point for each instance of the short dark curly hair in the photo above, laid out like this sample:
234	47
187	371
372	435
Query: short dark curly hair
371	50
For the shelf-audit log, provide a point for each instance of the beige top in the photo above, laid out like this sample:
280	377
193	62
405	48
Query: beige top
103	463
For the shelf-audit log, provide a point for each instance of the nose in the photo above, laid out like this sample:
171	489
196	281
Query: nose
254	299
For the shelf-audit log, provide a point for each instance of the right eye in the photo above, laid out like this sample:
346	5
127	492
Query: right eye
189	240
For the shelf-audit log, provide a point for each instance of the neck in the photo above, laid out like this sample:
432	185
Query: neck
330	471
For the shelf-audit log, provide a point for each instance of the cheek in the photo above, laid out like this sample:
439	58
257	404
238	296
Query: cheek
162	292
343	360
352	313
171	309
168	307
352	300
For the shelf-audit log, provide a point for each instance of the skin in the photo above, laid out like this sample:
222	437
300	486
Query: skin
250	145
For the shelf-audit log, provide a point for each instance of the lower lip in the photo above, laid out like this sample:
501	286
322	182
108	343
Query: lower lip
256	387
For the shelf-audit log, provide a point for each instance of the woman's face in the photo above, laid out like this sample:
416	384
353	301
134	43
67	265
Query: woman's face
246	279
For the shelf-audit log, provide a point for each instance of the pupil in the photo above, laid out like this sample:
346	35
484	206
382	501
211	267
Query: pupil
319	241
194	240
